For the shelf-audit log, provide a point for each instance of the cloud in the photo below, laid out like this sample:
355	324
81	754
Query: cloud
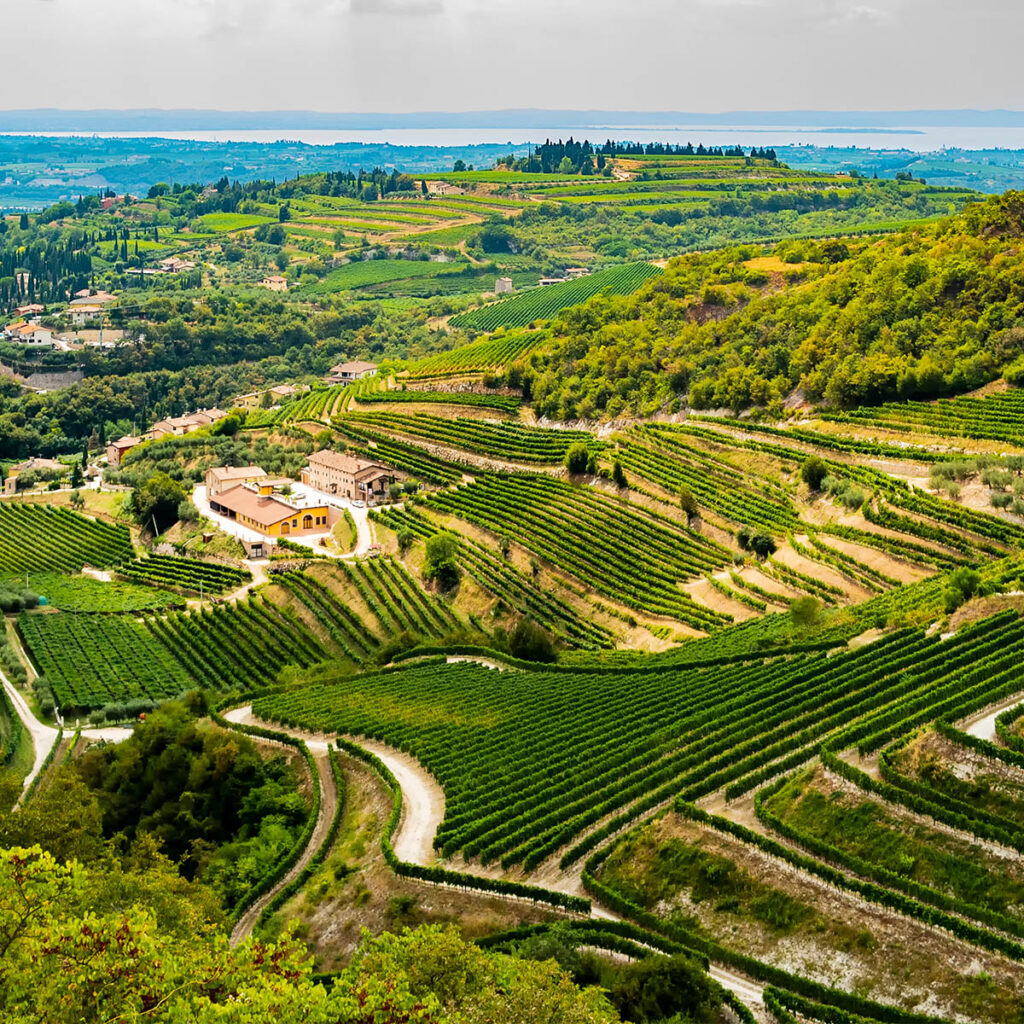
417	7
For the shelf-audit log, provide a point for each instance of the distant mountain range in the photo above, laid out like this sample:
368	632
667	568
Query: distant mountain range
51	119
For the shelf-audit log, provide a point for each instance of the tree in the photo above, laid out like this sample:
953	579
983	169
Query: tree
157	499
576	458
618	476
77	477
441	564
666	988
284	213
688	503
813	472
805	611
762	544
530	642
459	165
405	538
77	500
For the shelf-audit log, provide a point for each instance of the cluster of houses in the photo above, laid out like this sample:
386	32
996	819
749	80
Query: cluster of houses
250	497
173	426
86	306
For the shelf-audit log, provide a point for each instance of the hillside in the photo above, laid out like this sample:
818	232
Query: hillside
932	310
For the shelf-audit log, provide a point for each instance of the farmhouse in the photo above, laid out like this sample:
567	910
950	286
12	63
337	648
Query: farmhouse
346	373
275	283
34	309
268	513
444	188
552	280
503	285
346	476
222	478
117	450
50	465
572	273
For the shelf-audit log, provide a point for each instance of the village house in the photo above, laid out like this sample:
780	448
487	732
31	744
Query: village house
552	280
29	334
503	285
257	508
222	478
173	265
572	273
117	450
347	373
276	283
31	310
51	466
346	476
177	426
83	314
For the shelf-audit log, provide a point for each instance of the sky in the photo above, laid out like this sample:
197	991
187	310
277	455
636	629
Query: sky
415	55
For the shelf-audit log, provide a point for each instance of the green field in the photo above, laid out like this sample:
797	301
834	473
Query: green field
545	303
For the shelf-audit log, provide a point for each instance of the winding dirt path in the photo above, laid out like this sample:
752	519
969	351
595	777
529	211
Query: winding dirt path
423	806
983	724
328	809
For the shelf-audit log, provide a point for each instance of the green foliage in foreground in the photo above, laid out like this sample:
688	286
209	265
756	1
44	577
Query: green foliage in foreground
69	953
220	811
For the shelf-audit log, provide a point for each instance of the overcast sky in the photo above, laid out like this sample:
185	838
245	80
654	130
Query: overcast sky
411	55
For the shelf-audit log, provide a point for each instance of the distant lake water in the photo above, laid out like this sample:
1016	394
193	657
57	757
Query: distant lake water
920	139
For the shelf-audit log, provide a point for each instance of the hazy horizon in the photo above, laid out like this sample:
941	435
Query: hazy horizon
377	55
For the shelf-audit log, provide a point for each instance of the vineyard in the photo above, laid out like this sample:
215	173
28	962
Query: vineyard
49	538
476	357
620	551
84	594
501	403
529	767
547	302
507	441
93	660
187	575
998	417
508	585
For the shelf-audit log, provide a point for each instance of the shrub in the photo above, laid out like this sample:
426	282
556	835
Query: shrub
530	642
813	472
577	458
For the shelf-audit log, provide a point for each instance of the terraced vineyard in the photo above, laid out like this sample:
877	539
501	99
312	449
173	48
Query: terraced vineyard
507	584
539	761
187	575
476	357
93	660
42	538
502	403
620	551
998	417
507	441
670	462
547	302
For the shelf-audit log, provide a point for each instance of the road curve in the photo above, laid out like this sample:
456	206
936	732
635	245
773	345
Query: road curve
43	736
328	809
422	812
